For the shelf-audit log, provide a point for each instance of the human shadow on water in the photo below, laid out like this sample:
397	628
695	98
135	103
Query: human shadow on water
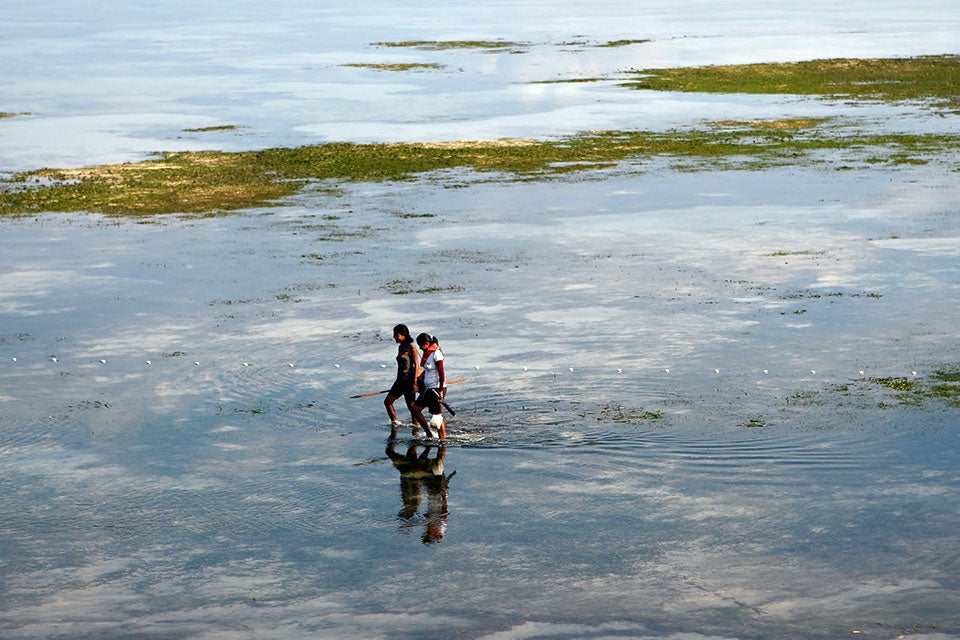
418	473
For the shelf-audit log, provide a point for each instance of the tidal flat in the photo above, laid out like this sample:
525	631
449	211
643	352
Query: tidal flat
708	340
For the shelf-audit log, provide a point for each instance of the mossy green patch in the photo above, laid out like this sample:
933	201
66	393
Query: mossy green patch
623	43
625	415
441	45
947	374
407	287
783	253
925	77
207	182
899	384
940	386
220	127
888	392
398	66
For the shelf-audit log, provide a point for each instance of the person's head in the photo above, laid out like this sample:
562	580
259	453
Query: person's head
425	339
402	334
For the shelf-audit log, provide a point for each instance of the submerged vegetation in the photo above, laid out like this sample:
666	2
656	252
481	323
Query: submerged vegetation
941	386
441	45
220	127
896	79
408	287
212	181
623	43
396	66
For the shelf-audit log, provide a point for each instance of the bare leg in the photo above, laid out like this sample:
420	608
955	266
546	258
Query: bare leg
392	414
417	414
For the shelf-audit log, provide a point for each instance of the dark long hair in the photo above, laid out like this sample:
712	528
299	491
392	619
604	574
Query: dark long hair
404	332
425	338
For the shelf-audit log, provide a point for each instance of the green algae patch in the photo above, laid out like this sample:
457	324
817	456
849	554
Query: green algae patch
886	79
207	182
941	388
622	43
625	415
786	124
409	287
898	384
493	46
219	127
397	66
200	182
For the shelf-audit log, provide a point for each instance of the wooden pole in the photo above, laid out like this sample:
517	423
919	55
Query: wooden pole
376	393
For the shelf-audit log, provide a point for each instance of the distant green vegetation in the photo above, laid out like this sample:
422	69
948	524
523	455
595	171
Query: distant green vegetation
891	79
407	287
441	45
396	66
220	127
622	43
4	114
213	181
941	387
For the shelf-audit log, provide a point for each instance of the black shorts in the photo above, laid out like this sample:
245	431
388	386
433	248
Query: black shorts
431	400
403	388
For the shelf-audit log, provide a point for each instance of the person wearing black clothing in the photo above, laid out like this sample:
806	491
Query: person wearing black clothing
405	386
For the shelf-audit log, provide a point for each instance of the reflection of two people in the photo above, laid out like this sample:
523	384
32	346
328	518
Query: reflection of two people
418	473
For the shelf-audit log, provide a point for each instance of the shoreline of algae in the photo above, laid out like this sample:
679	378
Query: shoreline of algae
213	181
204	182
934	78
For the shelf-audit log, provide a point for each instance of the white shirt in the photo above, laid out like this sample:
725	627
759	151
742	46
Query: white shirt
431	377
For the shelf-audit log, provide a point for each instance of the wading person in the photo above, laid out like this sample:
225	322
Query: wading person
433	384
405	385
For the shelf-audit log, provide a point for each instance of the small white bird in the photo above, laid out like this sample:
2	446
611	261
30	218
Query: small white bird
148	362
716	370
666	370
813	372
246	364
619	370
14	359
571	369
102	361
196	364
53	358
336	366
765	372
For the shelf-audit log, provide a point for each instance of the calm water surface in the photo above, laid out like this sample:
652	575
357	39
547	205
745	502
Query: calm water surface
191	464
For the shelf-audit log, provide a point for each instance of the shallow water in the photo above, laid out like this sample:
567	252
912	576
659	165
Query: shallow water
667	428
191	464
